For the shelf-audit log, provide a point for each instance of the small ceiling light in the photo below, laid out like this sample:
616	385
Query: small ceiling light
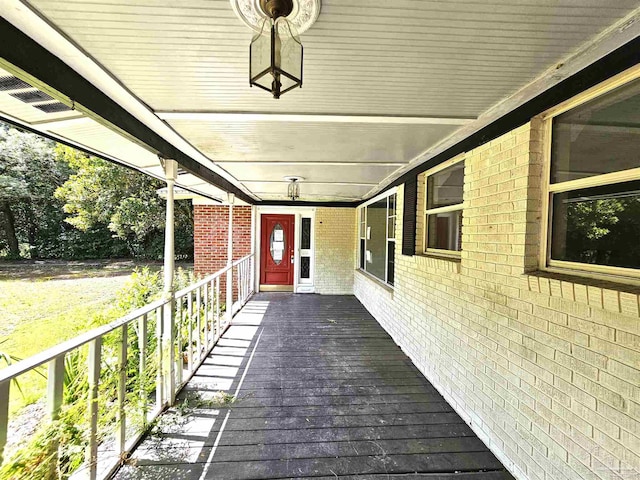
275	54
293	189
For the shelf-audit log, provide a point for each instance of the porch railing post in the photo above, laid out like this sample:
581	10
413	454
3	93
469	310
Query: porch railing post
230	262
168	340
4	415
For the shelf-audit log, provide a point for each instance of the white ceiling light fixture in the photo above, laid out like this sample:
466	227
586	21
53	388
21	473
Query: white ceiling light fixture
293	189
276	53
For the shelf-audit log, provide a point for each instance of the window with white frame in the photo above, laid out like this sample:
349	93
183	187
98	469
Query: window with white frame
443	209
377	242
593	188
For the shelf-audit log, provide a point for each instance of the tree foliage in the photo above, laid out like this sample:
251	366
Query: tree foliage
601	231
101	193
29	174
57	202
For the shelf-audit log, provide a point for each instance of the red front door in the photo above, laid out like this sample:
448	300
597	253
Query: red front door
276	250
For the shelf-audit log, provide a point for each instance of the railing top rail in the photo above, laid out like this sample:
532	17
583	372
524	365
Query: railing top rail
213	276
41	358
45	356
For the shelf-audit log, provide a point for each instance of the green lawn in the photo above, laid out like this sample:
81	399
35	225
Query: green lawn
43	306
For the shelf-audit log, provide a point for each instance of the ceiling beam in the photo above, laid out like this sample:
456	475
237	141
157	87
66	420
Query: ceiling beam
304	182
232	117
327	164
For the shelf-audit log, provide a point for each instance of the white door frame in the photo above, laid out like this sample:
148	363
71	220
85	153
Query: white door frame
299	213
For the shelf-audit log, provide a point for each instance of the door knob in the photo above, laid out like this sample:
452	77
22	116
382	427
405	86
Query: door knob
292	258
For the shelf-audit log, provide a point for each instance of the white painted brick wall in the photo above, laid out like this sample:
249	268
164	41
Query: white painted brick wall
545	369
335	232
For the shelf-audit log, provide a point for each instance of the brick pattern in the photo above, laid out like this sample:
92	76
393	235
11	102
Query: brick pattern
211	224
335	231
545	370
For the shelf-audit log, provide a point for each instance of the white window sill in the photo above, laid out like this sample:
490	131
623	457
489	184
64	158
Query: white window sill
367	275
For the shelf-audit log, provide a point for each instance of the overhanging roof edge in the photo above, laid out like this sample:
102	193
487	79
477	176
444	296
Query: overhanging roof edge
615	62
83	148
23	52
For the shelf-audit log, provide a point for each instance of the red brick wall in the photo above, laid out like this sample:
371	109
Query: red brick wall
210	236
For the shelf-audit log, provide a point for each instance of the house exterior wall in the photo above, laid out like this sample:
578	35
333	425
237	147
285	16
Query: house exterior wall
210	235
335	231
545	369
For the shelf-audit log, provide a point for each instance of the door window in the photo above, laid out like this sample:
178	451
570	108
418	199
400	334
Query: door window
276	244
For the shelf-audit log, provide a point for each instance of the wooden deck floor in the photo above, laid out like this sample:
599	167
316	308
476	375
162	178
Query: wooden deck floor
322	392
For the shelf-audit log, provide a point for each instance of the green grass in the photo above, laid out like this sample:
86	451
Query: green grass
43	313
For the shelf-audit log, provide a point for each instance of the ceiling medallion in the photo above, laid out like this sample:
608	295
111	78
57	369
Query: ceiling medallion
303	15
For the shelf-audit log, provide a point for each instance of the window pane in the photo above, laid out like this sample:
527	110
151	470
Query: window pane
391	227
598	225
392	204
276	243
377	243
305	241
445	188
601	136
445	231
391	249
305	267
362	254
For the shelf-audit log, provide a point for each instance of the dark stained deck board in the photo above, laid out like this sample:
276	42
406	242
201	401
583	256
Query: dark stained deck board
327	394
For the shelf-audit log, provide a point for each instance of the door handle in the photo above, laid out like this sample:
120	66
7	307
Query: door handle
292	257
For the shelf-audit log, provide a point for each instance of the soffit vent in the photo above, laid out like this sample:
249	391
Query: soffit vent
12	83
32	96
53	107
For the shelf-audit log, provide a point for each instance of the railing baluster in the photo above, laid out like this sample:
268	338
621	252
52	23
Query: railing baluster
198	326
218	332
206	315
55	386
4	414
142	346
178	347
122	390
212	314
55	390
238	275
190	314
94	362
178	314
159	364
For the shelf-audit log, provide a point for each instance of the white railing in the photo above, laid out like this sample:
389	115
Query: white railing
148	356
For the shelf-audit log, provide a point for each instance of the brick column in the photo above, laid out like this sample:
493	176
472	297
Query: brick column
210	237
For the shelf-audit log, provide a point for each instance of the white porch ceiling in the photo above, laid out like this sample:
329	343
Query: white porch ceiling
442	63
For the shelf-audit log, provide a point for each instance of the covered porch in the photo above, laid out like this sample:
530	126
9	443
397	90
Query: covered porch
319	390
446	154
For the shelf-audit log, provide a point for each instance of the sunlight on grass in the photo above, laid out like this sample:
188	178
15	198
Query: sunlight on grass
42	313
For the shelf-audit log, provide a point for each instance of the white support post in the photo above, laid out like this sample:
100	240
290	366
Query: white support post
168	340
230	261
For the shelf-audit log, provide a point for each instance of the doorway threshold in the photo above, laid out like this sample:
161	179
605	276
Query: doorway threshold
276	288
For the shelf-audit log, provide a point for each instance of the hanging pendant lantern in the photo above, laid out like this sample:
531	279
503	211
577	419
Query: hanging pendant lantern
275	54
293	189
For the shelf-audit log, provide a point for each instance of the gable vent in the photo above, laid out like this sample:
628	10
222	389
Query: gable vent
12	83
53	107
32	96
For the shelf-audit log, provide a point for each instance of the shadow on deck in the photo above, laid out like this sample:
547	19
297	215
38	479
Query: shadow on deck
321	391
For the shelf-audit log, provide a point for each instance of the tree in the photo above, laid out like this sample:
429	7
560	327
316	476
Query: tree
30	172
100	192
